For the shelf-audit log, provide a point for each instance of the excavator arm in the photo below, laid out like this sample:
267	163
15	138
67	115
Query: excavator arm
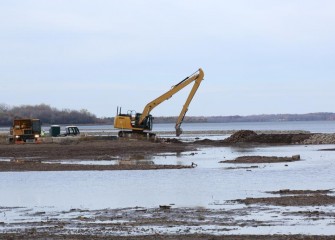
197	77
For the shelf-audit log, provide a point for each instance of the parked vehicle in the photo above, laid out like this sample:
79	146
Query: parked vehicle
25	130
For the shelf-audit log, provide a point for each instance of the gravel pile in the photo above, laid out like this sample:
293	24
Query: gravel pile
321	138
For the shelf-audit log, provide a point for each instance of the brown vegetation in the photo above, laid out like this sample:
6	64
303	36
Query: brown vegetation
46	114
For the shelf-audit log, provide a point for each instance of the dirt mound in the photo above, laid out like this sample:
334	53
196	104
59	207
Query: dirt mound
297	198
324	138
248	136
241	136
262	159
301	192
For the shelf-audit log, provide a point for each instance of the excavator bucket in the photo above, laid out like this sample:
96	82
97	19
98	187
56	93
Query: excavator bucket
179	131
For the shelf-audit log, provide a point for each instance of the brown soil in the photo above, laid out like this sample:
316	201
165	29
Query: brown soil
89	149
23	165
297	198
36	236
146	223
251	137
29	157
248	136
262	159
294	192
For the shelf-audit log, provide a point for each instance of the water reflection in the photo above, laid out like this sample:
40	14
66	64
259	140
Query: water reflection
243	149
135	162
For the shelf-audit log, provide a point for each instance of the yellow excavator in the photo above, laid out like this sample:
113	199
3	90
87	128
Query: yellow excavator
140	124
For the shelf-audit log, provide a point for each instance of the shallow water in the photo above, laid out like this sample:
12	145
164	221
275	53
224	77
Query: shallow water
210	182
312	126
209	185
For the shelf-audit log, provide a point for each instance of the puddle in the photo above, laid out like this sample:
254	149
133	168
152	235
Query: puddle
195	137
5	159
83	162
154	161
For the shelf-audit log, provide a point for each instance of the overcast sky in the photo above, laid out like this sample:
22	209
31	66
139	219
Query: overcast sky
258	56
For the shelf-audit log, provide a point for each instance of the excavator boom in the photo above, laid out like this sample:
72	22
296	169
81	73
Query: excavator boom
138	122
197	77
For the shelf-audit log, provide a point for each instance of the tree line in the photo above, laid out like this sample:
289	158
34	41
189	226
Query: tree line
51	115
47	114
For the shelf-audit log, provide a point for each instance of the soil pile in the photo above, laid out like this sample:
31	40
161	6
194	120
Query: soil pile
320	139
248	136
296	198
297	192
241	136
263	159
303	200
31	157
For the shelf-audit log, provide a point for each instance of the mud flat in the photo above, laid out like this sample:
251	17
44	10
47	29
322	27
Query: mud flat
173	223
253	138
262	159
31	157
294	198
35	165
267	215
33	236
28	157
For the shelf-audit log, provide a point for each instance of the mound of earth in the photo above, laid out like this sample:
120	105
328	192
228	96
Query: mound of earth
262	159
241	136
32	157
248	136
298	198
297	192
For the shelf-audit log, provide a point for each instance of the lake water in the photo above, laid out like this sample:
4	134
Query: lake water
208	185
202	186
312	126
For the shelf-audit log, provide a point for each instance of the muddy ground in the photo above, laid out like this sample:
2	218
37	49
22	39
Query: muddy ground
262	159
33	236
160	222
31	157
294	198
174	223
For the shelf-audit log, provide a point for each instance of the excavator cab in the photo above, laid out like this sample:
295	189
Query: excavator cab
146	123
130	122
